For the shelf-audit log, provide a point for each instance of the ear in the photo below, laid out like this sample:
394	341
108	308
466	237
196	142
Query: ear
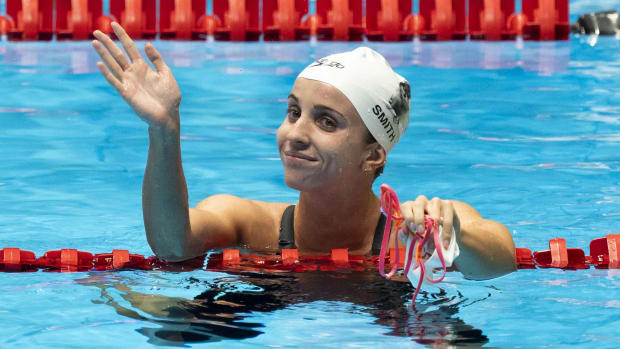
375	157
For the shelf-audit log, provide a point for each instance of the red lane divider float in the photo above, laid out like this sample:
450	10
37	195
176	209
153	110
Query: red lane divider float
138	17
546	19
525	259
14	259
72	260
120	259
237	20
492	20
183	20
340	20
282	20
289	20
390	20
289	261
67	260
6	25
558	256
604	254
76	19
443	20
33	19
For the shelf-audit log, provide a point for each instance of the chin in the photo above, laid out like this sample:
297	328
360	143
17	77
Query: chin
301	181
294	182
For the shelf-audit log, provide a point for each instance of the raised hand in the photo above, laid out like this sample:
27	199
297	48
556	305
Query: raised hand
152	94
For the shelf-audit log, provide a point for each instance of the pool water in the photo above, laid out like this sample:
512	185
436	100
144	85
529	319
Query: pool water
526	132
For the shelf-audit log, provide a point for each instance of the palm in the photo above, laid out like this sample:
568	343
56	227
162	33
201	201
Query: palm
152	94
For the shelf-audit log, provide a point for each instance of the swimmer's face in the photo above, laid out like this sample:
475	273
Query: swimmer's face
322	139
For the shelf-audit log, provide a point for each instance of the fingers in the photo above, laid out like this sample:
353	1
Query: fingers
447	214
155	57
434	209
407	210
112	80
130	47
110	62
419	211
442	211
116	53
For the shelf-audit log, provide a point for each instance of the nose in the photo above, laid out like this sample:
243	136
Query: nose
298	133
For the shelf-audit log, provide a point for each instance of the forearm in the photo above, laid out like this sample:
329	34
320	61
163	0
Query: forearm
486	250
155	97
164	194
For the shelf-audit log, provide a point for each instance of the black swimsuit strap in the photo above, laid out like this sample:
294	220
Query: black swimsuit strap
287	232
378	238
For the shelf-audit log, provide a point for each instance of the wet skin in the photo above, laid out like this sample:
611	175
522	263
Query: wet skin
322	140
323	146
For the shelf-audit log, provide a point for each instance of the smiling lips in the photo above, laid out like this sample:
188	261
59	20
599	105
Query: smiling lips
298	156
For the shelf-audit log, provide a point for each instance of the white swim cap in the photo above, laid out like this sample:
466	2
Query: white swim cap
380	96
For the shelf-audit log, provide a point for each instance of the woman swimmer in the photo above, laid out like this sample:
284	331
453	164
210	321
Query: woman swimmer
345	113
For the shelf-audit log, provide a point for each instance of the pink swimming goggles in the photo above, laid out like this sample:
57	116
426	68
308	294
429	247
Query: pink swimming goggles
391	208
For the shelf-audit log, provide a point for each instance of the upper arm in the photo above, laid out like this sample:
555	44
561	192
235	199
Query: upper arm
227	220
212	223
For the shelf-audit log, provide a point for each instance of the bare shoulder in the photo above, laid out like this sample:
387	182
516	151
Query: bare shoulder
232	203
257	222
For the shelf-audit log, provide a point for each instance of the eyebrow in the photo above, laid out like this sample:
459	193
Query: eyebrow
318	107
321	107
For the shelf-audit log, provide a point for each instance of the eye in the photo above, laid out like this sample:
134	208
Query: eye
293	113
327	123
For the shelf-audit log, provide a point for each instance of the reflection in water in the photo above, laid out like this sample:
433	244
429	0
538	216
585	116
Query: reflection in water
219	312
79	58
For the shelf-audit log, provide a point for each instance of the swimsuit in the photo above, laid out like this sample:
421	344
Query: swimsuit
287	234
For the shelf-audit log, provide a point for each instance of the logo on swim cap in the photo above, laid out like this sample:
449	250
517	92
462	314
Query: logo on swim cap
384	121
399	102
328	63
